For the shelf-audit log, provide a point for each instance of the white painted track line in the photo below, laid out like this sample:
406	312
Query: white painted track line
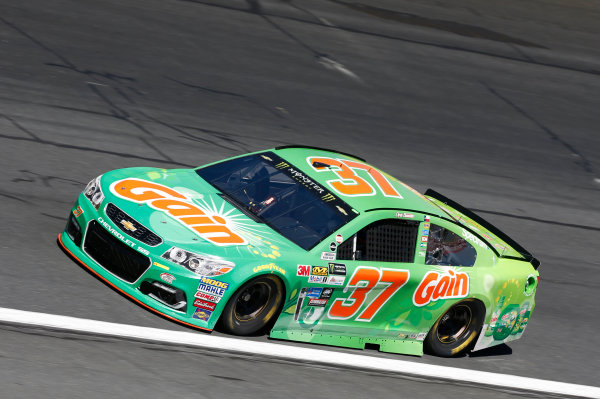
371	363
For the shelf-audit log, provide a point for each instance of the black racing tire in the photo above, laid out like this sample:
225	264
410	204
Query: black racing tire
456	331
254	306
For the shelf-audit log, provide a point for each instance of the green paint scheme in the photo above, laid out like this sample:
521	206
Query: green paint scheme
398	325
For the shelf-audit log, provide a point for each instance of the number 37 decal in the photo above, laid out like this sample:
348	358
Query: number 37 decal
363	281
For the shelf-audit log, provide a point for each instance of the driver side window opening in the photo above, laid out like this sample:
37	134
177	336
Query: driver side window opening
445	248
389	240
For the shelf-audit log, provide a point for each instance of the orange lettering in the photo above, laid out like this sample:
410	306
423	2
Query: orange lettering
141	190
349	183
210	227
436	286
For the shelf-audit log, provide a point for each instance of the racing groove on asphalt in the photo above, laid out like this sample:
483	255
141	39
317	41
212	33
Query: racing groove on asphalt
494	105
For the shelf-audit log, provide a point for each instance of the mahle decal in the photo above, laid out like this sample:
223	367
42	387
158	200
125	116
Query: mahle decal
436	286
162	198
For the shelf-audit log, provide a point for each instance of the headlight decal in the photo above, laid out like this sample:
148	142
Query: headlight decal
203	265
93	192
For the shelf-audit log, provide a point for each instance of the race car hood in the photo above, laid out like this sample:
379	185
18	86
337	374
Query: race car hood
187	212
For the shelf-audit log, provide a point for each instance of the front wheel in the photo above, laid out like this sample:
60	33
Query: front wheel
455	331
253	306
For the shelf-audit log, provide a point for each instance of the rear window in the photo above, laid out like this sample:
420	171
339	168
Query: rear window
446	248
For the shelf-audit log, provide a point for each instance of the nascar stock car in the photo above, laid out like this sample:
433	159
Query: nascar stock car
306	244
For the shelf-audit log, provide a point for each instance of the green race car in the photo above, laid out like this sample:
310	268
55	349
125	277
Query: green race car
308	244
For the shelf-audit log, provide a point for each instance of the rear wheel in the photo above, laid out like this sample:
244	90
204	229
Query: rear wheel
454	333
253	306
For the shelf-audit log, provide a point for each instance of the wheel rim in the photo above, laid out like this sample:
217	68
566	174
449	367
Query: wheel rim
252	301
454	324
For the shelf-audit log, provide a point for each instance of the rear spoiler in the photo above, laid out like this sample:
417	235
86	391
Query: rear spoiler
526	255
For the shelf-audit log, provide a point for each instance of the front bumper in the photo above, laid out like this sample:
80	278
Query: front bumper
156	284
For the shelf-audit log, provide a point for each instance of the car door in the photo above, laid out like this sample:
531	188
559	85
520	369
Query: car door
372	273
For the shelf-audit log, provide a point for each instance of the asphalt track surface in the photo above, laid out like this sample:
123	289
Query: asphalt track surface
495	104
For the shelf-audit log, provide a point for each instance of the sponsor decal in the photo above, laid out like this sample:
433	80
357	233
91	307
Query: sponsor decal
435	286
211	227
202	314
328	255
314	293
471	237
121	237
408	215
303	270
339	239
211	289
413	336
77	211
427	218
422	245
332	246
337	268
336	280
424	238
421	253
317	302
161	266
426	232
421	336
326	293
299	303
319	271
402	335
317	279
199	303
270	266
169	278
426	225
207	297
214	283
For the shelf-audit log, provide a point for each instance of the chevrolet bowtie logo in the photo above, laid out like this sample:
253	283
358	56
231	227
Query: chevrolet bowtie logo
128	225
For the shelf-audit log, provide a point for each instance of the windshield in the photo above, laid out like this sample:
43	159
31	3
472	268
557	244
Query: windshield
278	194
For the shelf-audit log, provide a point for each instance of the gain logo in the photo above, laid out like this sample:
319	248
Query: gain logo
162	198
436	286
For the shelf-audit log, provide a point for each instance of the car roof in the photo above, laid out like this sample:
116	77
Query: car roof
411	199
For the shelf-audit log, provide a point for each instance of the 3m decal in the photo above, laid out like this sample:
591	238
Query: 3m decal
212	228
319	271
202	314
365	279
199	303
436	286
303	270
349	182
169	278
